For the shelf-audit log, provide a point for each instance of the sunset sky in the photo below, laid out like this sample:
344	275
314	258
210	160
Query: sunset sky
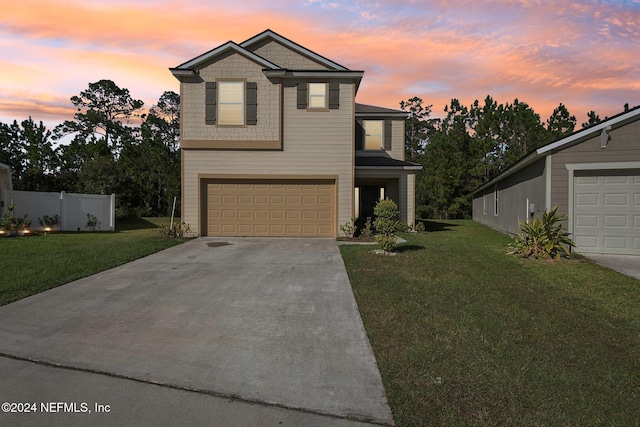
585	54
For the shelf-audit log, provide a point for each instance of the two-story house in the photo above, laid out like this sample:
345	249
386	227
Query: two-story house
274	144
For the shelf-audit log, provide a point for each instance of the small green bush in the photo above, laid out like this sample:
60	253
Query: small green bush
50	222
543	237
386	223
11	225
349	228
366	231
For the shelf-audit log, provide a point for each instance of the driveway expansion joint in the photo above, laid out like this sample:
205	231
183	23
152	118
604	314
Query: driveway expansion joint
227	396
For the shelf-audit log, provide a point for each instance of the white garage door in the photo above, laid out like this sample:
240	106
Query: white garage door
607	212
276	207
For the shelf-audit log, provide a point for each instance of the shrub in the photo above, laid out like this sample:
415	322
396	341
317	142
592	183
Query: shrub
367	232
11	225
178	231
92	222
420	227
349	228
542	237
49	222
386	223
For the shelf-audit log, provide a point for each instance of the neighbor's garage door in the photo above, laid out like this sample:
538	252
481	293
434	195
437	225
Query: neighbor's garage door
607	212
270	207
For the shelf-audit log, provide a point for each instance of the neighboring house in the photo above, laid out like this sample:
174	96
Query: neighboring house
5	184
274	144
593	175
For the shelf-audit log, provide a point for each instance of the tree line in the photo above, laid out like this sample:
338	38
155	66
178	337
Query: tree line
107	152
472	145
140	163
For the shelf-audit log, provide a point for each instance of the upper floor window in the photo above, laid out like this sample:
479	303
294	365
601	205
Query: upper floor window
318	95
231	103
373	134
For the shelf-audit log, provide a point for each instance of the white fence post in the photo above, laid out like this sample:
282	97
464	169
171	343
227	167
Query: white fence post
63	216
112	223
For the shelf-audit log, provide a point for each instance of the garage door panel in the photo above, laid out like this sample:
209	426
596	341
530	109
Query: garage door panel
245	214
612	199
615	221
271	207
325	200
293	214
587	220
615	180
313	215
586	199
606	213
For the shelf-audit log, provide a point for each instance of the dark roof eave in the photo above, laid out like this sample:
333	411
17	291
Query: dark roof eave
526	161
382	115
409	168
286	73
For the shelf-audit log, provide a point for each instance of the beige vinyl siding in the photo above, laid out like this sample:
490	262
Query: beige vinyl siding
314	144
624	146
234	66
286	58
410	199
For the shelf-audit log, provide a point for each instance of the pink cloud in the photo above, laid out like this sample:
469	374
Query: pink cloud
437	50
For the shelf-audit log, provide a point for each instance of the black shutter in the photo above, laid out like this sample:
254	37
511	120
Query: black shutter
302	96
210	103
387	135
252	103
359	136
334	95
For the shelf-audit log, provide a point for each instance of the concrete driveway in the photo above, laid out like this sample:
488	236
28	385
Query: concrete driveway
208	330
625	264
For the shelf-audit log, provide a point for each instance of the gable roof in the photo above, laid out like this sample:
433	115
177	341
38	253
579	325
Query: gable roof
567	141
188	68
373	111
272	35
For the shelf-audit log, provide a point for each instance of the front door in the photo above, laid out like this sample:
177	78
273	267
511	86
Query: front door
369	196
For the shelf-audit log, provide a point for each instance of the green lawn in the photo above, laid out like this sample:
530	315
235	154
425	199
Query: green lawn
467	336
29	265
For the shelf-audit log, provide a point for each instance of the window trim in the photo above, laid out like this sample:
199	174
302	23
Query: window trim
243	103
381	135
325	96
496	193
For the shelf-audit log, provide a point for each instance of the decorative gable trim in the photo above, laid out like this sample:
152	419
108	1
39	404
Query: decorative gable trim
188	67
268	34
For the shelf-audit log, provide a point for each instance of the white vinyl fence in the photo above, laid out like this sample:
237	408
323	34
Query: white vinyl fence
73	209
